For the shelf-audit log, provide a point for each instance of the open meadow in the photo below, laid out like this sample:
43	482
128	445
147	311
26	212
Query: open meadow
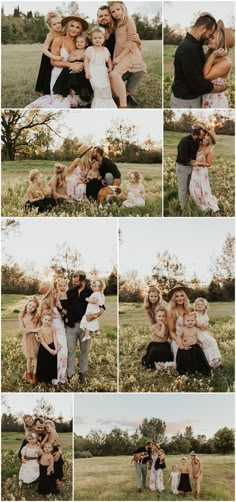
169	53
119	483
11	442
221	176
15	182
20	65
102	373
134	337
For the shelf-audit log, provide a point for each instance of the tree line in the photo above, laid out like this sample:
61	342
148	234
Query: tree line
120	442
223	124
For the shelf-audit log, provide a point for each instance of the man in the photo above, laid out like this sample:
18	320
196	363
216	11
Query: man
39	430
108	169
197	472
189	83
76	309
132	79
187	151
142	456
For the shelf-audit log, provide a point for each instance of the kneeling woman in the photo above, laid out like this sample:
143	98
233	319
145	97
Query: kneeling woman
158	349
190	357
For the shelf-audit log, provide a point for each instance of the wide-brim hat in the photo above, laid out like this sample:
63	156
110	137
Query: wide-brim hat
75	17
83	149
178	287
45	288
212	133
229	35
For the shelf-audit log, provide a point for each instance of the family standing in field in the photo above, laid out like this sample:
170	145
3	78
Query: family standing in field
200	79
52	328
179	333
152	457
99	68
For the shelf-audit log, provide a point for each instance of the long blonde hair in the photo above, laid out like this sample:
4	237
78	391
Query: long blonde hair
172	307
209	148
59	171
67	26
34	314
220	41
125	16
85	162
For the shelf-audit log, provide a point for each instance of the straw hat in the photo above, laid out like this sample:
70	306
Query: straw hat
178	287
229	35
83	149
45	288
75	17
212	133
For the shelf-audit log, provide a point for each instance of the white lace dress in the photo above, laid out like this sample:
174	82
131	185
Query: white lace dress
153	475
207	342
99	77
29	471
74	187
92	308
199	187
135	196
62	354
217	100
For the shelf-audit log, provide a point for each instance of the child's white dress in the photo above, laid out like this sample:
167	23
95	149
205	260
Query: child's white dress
92	308
207	342
99	78
135	195
174	482
29	471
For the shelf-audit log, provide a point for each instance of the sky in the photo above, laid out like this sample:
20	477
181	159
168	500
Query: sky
195	241
21	404
190	10
90	127
88	8
205	114
94	238
206	413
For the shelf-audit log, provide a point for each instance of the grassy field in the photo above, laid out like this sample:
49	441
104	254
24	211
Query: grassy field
134	338
23	61
169	52
11	442
102	373
119	484
15	182
221	176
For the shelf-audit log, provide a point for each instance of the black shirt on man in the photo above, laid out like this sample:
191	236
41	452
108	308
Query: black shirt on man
147	458
110	44
187	150
108	166
77	304
189	82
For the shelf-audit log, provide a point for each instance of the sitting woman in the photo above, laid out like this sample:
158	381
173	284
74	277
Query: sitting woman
158	349
178	306
77	174
38	196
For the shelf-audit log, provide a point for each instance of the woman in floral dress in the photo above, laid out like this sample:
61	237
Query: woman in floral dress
153	473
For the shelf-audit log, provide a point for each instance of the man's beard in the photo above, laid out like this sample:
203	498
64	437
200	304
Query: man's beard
104	25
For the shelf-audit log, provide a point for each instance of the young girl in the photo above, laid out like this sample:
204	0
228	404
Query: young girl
77	174
208	343
75	84
29	425
136	191
184	481
96	58
57	183
62	302
53	20
96	299
190	357
158	349
152	300
159	466
47	479
38	196
47	356
29	324
53	438
127	54
30	453
174	478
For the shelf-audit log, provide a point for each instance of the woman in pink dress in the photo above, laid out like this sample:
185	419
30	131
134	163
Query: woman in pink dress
199	188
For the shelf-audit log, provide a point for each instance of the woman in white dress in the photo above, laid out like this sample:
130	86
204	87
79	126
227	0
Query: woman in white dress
178	306
76	174
29	470
218	64
62	46
153	474
199	187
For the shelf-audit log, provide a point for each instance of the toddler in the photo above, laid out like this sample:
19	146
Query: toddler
38	196
136	191
190	357
207	342
29	470
47	479
94	302
174	478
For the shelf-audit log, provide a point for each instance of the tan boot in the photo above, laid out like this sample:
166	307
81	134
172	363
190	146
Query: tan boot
28	377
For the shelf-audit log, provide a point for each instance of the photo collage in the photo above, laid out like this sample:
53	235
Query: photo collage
118	250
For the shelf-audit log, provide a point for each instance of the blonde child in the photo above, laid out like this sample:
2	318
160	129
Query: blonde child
159	349
29	425
30	453
96	58
136	191
72	84
190	357
95	300
38	196
174	478
29	322
47	356
61	298
159	466
57	183
47	479
53	21
184	480
51	434
127	55
94	171
53	438
208	343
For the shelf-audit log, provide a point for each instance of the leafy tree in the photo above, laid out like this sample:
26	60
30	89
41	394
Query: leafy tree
111	285
66	261
167	271
130	288
43	408
224	440
153	428
224	265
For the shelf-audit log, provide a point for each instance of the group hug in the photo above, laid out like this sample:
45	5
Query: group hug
179	333
41	456
99	67
152	457
91	176
52	327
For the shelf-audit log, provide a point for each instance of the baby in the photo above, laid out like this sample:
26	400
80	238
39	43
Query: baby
190	334
95	300
207	342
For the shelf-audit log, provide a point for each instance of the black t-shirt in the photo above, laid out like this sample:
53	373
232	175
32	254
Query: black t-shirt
77	304
108	166
110	44
187	150
148	452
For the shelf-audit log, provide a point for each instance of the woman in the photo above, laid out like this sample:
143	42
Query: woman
62	46
218	64
152	300
76	174
199	188
48	303
153	473
178	306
